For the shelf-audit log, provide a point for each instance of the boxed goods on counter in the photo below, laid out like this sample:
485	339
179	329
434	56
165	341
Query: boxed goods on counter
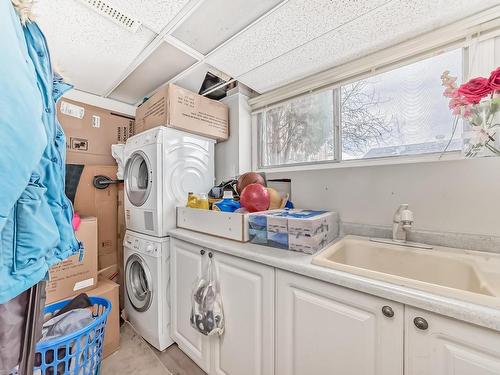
306	231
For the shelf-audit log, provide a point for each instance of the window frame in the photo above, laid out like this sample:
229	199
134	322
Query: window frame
338	162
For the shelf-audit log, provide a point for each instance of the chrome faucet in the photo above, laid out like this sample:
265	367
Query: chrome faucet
401	223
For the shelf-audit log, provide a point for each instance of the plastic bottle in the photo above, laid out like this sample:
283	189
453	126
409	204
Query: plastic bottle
192	200
227	204
203	201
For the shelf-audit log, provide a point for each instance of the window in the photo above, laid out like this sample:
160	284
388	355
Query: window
398	112
298	131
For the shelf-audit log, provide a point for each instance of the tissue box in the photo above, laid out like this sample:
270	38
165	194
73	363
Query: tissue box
300	230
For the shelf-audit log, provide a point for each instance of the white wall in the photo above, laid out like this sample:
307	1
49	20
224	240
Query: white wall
446	196
233	157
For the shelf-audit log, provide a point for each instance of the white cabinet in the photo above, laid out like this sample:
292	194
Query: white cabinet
186	265
320	328
247	345
247	288
325	329
445	346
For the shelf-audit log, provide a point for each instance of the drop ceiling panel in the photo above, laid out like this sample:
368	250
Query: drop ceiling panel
89	50
161	66
386	26
290	26
215	21
155	14
193	79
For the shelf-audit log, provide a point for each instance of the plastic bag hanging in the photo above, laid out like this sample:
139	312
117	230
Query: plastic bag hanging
207	315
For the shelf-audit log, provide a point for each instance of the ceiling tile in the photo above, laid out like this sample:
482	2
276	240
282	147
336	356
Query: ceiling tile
215	21
290	26
193	79
155	14
388	25
89	50
162	65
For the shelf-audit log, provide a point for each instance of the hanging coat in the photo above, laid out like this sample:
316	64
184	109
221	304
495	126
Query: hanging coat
35	215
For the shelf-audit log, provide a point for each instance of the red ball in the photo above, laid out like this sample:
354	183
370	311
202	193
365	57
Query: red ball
255	197
247	179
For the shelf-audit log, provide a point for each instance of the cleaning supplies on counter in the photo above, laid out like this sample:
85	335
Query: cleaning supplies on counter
227	204
306	231
197	201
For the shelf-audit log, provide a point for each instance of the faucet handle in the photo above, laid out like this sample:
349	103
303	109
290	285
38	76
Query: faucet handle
407	216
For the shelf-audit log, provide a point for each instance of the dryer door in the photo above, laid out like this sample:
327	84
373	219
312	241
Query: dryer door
138	283
138	178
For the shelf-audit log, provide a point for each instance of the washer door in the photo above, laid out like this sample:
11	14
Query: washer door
138	283
137	178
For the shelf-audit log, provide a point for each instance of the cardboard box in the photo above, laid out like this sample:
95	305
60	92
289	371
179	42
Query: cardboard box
182	109
121	229
101	203
108	289
71	275
90	132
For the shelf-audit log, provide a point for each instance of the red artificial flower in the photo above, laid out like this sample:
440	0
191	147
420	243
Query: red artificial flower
474	90
494	80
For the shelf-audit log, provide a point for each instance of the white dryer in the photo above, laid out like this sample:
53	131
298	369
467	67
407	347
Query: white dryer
146	268
162	165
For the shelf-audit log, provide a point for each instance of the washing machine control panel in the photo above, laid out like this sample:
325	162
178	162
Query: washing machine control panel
143	246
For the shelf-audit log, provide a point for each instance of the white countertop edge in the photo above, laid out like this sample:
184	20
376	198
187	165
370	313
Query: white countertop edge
301	264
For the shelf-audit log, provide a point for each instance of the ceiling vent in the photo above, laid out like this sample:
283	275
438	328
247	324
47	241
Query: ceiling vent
113	14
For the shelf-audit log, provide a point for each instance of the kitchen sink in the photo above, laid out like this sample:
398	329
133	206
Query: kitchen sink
440	269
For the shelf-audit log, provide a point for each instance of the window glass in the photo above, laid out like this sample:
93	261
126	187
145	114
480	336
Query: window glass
400	112
297	131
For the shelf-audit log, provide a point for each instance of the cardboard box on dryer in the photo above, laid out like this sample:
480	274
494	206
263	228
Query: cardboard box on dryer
182	109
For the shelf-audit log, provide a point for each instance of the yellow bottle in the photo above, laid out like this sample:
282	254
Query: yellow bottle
192	200
203	201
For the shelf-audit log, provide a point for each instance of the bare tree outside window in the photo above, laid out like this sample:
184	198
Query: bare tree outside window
299	131
399	112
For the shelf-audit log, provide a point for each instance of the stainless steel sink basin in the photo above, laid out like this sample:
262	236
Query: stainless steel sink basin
445	270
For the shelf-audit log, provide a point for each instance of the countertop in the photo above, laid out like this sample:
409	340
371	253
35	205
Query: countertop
301	264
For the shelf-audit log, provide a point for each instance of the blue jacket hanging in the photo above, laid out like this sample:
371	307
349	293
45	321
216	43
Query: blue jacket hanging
35	215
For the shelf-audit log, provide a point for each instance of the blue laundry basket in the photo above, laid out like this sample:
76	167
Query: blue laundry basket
78	353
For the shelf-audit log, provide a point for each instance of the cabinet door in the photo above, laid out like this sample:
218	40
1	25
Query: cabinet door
325	329
186	264
247	345
449	347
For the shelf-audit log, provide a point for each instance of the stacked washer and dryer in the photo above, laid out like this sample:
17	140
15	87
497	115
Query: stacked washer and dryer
161	166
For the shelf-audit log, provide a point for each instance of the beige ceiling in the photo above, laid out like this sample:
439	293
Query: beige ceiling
262	43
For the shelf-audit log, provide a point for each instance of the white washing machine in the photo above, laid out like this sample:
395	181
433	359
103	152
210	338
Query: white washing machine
162	165
147	281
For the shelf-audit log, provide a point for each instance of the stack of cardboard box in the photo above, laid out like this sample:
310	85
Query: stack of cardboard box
90	132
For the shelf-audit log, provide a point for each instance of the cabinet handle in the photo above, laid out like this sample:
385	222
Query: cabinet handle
202	252
388	311
421	323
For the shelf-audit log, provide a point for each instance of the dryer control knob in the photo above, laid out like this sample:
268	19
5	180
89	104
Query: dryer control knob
149	248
